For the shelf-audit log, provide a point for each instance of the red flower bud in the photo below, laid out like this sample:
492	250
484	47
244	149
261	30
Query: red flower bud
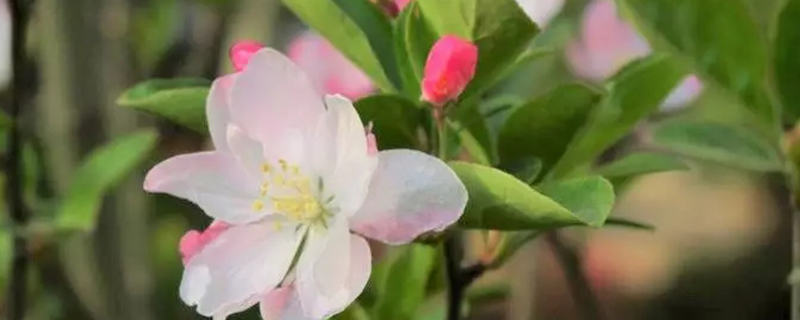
241	52
450	67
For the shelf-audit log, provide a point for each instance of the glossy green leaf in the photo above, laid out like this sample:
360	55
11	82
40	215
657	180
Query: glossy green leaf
414	37
589	197
405	283
724	144
525	169
641	163
182	101
394	120
787	57
719	37
359	30
101	171
499	201
544	127
633	94
468	118
500	29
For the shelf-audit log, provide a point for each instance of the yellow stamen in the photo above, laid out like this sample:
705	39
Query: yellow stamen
258	205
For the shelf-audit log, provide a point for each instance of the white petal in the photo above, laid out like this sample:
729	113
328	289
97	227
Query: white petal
247	150
218	110
242	263
215	181
410	193
687	91
333	270
272	97
541	11
340	154
282	304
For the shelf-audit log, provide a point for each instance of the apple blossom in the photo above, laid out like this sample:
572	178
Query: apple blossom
330	71
295	181
541	11
607	43
449	69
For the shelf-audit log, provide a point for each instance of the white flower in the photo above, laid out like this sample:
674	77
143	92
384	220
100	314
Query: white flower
541	11
293	178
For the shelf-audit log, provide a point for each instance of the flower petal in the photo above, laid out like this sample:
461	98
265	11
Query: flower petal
541	11
243	262
272	97
218	110
332	271
341	155
410	193
215	181
282	304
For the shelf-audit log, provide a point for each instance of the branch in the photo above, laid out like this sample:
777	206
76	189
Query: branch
13	166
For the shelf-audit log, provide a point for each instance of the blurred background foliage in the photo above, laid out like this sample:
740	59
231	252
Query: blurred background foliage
720	248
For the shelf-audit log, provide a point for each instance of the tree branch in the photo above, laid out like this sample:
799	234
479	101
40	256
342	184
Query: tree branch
13	166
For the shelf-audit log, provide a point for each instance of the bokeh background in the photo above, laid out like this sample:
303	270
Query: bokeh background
720	250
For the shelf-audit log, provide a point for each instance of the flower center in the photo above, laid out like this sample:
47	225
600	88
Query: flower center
292	194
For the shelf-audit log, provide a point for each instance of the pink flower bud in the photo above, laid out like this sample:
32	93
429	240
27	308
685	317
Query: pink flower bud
241	52
194	241
450	67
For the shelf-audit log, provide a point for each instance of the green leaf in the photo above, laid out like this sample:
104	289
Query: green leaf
545	126
405	283
639	164
719	37
182	101
414	39
525	169
474	133
719	143
102	170
589	197
512	242
499	201
634	93
626	223
394	119
500	29
787	57
359	30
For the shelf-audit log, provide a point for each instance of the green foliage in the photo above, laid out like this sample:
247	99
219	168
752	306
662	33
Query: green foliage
719	143
404	287
413	40
641	163
103	169
182	101
499	28
787	58
512	241
634	93
627	223
394	119
499	201
720	39
544	127
472	129
359	30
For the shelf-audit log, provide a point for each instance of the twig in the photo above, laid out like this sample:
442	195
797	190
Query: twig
19	216
458	278
579	286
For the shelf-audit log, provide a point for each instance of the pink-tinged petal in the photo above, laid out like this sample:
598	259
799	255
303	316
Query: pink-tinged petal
410	193
541	11
687	91
272	99
241	52
606	43
242	263
340	155
329	70
248	151
282	304
236	307
218	111
449	69
372	141
215	181
190	244
333	270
